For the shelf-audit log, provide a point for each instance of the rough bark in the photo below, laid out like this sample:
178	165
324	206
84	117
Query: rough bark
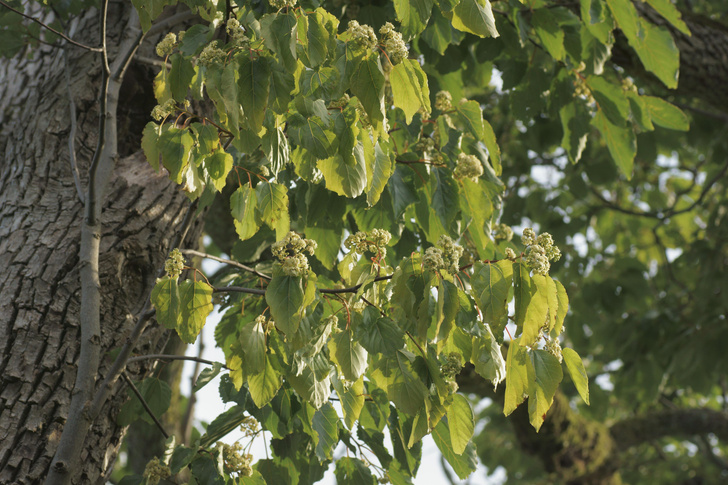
40	215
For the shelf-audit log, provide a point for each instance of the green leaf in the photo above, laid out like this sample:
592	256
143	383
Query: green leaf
463	464
276	149
491	283
264	386
314	391
181	457
575	124
345	173
475	17
285	297
221	87
208	138
471	115
279	32
175	146
218	166
243	205
156	393
544	376
150	144
380	335
597	20
326	424
517	376
252	341
196	304
487	358
668	10
378	176
537	312
315	31
448	305
620	141
576	370
491	144
254	86
665	114
312	134
272	207
404	388
223	425
352	471
439	34
180	77
460	421
563	307
166	300
367	84
352	400
549	32
410	90
207	374
610	98
349	355
413	16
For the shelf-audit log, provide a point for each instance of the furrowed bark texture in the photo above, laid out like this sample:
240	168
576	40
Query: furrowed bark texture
40	217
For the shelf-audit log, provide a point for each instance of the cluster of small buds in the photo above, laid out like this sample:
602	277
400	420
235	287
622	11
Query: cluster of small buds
235	461
174	264
554	348
341	102
443	101
539	251
237	32
289	252
629	85
374	241
362	34
364	121
260	320
393	43
156	471
468	166
332	320
358	306
510	254
582	90
167	45
161	111
452	366
249	426
424	145
264	171
446	257
503	232
279	4
211	55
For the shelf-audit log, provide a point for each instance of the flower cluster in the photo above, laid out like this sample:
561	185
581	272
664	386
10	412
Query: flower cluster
279	4
236	462
163	110
174	264
289	252
374	241
468	166
237	32
539	251
167	45
393	43
249	426
554	348
341	102
362	34
452	366
503	232
446	257
156	471
424	145
443	101
211	55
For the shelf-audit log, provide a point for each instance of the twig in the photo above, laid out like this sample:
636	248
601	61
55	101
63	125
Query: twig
257	291
59	34
192	252
144	404
72	134
190	358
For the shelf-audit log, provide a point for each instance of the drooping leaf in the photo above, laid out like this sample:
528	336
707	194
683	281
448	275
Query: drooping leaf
544	376
463	464
196	305
577	372
475	17
254	86
620	141
460	421
409	87
326	424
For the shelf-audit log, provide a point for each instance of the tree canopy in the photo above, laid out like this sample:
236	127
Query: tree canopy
418	201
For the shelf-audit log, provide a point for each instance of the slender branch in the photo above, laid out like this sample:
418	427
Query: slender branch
144	404
192	252
104	51
190	358
189	411
355	288
47	27
72	134
238	289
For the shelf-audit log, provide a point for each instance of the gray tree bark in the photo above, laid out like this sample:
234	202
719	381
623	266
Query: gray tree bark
40	217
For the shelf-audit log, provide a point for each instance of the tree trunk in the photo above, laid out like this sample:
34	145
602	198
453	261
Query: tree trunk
40	216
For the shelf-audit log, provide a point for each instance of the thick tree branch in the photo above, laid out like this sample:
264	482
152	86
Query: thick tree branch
670	422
